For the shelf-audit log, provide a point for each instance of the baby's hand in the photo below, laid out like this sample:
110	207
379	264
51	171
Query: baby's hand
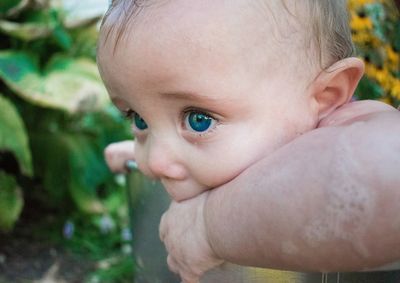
183	231
117	154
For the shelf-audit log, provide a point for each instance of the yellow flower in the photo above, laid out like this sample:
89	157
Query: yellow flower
358	23
385	79
395	92
357	3
386	100
366	38
392	56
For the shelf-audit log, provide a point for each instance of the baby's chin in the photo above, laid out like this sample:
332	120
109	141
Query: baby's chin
180	191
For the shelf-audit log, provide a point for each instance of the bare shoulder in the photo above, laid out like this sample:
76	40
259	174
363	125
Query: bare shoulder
359	111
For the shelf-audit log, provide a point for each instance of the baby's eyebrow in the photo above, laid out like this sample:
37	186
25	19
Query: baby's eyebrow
187	96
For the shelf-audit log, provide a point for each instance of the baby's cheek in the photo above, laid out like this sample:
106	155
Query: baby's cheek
225	167
141	161
219	173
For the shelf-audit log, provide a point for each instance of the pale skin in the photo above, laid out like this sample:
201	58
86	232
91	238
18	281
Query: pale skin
306	219
211	241
261	152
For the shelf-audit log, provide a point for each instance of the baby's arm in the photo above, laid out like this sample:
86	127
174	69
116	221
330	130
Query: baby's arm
319	203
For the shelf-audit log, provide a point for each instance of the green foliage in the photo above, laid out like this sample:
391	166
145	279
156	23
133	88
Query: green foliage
13	136
11	201
7	5
81	88
56	117
116	270
376	33
56	121
73	167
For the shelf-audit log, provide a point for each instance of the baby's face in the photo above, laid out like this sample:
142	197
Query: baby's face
208	93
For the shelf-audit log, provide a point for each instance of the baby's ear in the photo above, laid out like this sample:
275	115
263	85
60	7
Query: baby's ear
335	86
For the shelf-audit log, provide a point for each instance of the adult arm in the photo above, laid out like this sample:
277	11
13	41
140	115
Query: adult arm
330	200
327	201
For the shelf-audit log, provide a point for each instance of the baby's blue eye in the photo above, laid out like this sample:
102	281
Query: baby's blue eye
198	122
139	122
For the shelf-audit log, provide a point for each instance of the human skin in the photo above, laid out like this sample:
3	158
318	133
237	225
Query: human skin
198	64
370	130
339	212
175	73
117	154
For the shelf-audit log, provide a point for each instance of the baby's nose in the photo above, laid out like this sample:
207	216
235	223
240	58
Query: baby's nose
164	160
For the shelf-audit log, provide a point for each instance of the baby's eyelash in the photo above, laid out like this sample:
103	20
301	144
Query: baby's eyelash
128	114
198	110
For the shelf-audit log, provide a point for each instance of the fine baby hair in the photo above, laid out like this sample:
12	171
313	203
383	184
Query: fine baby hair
324	24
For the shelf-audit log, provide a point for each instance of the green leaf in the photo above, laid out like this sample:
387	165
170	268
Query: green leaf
396	37
113	128
25	31
11	202
368	89
88	172
73	85
62	37
7	5
35	24
73	167
13	135
376	12
50	159
85	41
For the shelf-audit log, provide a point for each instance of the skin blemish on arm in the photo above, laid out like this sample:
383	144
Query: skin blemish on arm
348	208
289	248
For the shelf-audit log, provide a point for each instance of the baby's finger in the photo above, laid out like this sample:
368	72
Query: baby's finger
116	155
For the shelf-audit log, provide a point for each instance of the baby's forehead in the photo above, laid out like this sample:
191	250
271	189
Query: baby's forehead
312	33
250	33
269	20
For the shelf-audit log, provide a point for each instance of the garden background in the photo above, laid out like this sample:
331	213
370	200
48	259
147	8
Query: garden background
63	215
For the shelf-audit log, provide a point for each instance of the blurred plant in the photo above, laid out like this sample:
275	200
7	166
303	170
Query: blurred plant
56	120
55	115
376	33
109	249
